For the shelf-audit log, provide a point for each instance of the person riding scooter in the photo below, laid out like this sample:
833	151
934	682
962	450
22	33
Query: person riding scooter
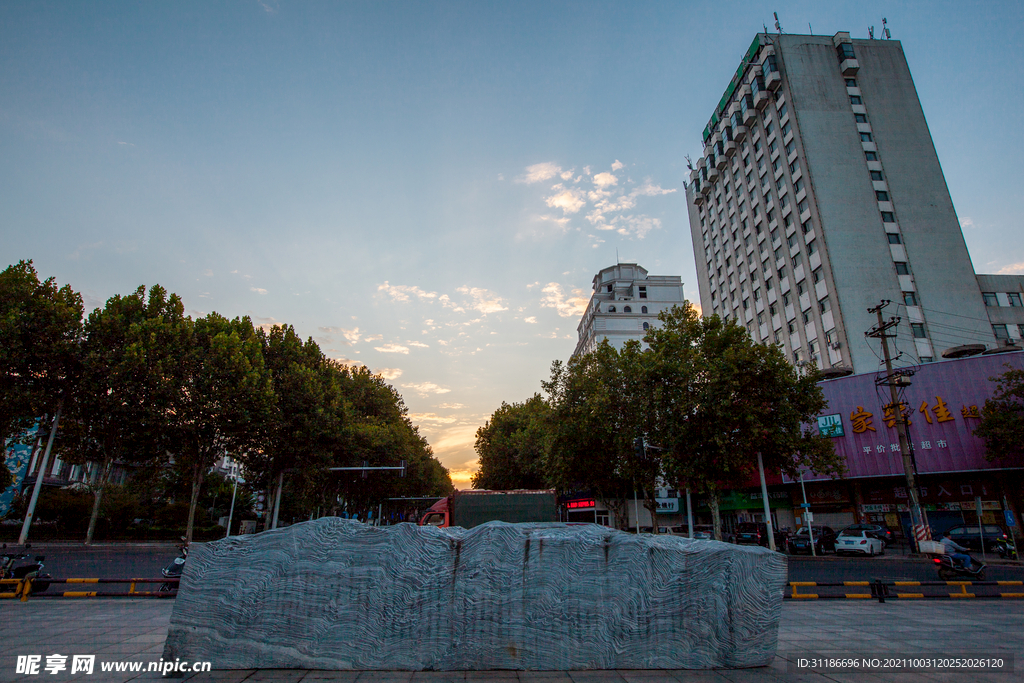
956	551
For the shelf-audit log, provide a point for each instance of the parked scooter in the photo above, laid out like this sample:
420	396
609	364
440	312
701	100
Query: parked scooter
1005	549
32	571
949	569
174	567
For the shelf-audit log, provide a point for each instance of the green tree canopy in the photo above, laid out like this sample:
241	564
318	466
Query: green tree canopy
1002	420
512	446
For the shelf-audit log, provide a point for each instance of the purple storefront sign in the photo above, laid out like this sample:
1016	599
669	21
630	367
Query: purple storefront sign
943	403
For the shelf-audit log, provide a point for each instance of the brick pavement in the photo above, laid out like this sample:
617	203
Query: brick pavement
134	630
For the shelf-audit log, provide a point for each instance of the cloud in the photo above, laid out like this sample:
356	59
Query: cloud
351	336
484	300
258	290
605	179
531	320
402	292
617	165
451	406
1012	269
389	373
539	173
418	344
432	417
566	306
129	144
566	175
208	273
426	388
569	200
562	223
392	348
265	323
966	222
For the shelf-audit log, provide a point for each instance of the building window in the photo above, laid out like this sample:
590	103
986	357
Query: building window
851	83
643	292
876	176
786	130
881	195
795	166
855	99
808	226
894	238
888	217
801	288
611	309
760	318
865	137
918	330
817	275
1001	332
791	327
871	156
798	186
927	359
845	51
778	337
812	246
776	164
647	326
786	300
990	298
902	268
860	118
1014	298
802	206
627	309
824	306
1020	330
768	130
782	112
806	316
643	309
910	298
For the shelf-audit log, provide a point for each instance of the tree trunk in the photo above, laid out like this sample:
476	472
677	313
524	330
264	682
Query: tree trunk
716	518
97	497
197	482
618	508
651	503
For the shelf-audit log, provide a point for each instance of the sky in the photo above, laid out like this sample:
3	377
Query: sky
428	188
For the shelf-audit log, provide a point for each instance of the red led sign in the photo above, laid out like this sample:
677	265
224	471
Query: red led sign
572	504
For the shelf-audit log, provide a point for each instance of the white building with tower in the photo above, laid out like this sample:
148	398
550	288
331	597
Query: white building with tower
625	304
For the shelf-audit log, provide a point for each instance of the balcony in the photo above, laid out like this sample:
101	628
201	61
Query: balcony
761	99
739	132
849	67
712	170
721	161
772	80
698	195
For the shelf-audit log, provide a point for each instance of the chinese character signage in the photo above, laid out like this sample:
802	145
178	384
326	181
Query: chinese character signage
830	425
941	406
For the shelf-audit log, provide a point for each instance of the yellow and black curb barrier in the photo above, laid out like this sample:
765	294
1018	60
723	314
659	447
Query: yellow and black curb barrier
880	590
23	588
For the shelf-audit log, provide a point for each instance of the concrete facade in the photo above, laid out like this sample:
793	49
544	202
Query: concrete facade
819	195
624	304
1003	296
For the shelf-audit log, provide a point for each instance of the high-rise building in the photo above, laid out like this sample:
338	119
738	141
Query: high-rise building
820	194
625	304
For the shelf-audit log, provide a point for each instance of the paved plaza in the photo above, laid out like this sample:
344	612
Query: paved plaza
134	631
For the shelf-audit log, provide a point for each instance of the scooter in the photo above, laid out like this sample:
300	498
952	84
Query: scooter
31	571
950	570
174	567
1005	550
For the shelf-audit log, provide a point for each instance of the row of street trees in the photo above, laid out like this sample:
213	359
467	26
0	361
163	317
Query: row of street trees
704	396
143	385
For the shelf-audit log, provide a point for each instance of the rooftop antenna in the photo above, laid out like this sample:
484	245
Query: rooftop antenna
809	29
617	262
778	26
871	32
885	29
689	164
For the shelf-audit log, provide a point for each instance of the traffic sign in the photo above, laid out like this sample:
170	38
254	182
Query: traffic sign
1010	519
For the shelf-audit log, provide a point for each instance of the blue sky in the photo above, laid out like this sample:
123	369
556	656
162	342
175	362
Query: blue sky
427	188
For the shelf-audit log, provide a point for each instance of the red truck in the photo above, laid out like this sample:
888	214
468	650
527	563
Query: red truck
471	508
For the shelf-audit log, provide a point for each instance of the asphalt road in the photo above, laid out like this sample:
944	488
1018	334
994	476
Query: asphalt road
122	561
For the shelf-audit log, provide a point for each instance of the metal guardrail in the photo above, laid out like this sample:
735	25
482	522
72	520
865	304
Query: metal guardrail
23	589
880	590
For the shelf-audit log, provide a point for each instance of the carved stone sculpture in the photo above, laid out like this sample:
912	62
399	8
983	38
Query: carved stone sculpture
338	594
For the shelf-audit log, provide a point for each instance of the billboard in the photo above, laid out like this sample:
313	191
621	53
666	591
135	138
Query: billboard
943	403
16	456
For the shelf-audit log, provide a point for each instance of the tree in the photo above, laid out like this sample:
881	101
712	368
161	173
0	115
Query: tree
224	402
128	381
40	330
1002	420
512	446
721	398
597	411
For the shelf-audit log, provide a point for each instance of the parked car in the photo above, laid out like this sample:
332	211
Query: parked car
701	532
824	540
756	533
858	541
967	536
882	533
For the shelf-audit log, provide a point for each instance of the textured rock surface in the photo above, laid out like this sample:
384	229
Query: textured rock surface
337	594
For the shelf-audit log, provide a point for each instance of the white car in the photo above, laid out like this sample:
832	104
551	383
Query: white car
858	541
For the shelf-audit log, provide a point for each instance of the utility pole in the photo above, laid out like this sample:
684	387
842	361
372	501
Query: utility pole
917	518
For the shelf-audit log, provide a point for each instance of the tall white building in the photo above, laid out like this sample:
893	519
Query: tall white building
818	195
625	303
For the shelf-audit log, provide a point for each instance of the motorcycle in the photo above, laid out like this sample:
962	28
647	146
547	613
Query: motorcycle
174	567
1005	549
32	571
950	570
